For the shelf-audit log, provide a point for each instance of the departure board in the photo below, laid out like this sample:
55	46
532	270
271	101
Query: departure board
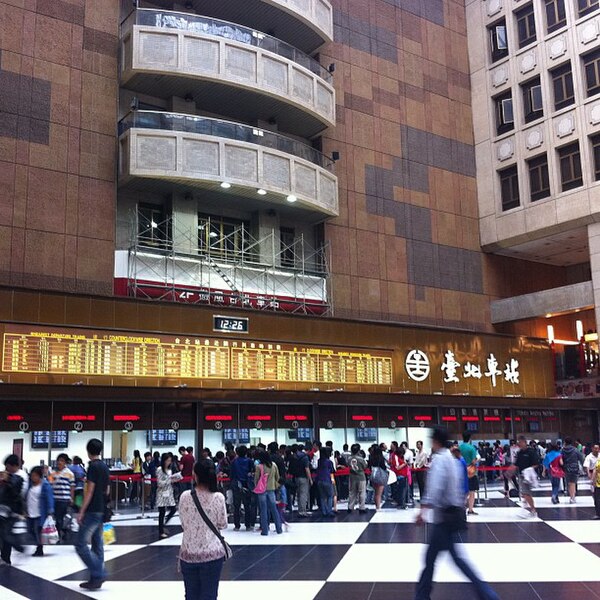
88	352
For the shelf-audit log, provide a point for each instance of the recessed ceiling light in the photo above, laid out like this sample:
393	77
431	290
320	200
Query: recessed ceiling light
261	192
291	198
225	185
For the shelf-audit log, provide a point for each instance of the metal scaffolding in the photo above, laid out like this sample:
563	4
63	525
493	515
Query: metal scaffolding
166	261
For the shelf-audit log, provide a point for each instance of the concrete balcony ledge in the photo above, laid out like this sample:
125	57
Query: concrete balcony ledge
539	304
203	153
222	64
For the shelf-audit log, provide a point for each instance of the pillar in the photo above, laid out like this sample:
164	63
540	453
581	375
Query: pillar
594	243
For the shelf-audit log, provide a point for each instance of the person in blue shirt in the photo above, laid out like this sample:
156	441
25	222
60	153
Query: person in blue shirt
457	454
241	467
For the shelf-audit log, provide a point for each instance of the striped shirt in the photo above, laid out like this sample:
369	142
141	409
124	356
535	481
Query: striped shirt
62	483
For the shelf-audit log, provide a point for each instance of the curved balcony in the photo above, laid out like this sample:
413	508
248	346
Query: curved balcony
170	151
227	69
306	24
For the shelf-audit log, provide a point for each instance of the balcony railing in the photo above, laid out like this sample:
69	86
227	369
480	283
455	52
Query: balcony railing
225	129
224	29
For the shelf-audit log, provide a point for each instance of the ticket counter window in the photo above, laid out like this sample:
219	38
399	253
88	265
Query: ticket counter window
392	424
294	425
332	426
221	428
128	427
78	423
173	426
261	421
24	430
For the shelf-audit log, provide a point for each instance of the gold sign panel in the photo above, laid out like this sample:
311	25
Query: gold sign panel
54	351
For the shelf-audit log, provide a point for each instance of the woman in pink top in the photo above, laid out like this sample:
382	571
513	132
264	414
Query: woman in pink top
202	553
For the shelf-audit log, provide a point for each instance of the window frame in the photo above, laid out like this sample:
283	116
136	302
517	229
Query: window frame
284	244
538	167
566	155
557	6
501	103
595	147
530	112
496	51
592	59
222	247
587	9
526	16
510	175
564	74
147	235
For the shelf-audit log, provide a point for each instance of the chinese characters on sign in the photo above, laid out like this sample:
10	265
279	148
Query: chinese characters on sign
418	368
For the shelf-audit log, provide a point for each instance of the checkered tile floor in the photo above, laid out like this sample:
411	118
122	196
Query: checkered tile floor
355	557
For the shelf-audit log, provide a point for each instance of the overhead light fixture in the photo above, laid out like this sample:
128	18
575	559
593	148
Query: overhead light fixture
153	224
261	192
225	185
579	329
550	330
291	198
213	234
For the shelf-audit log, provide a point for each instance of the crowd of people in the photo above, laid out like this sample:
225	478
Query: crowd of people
262	485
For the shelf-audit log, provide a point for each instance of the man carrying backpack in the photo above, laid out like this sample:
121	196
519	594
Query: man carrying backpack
572	460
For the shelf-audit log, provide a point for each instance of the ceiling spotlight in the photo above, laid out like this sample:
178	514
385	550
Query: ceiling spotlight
261	192
213	234
225	185
291	198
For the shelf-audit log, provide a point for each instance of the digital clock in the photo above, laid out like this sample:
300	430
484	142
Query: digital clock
230	324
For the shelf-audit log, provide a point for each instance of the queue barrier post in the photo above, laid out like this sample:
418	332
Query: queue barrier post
116	497
485	490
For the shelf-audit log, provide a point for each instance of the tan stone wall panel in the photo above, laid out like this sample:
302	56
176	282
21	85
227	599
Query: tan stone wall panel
58	94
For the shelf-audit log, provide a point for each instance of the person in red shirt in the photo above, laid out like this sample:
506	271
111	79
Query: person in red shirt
400	467
186	463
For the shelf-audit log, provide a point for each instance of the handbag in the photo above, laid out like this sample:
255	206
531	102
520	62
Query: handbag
49	535
454	518
261	484
211	526
379	476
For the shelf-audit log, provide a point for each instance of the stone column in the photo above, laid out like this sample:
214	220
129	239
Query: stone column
594	242
185	223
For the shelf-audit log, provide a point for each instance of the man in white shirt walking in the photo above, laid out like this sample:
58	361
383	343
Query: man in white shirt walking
445	495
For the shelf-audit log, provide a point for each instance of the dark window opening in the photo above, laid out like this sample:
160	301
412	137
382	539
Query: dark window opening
585	7
556	17
591	66
505	120
570	166
509	188
287	236
498	40
526	25
595	139
539	178
562	84
533	106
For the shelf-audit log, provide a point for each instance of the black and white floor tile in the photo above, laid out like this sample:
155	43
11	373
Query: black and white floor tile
375	556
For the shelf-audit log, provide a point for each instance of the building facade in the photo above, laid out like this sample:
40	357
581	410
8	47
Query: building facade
338	161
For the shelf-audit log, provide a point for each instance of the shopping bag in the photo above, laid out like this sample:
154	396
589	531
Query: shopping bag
49	535
109	535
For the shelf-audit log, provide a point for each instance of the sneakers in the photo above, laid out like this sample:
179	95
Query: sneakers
92	584
572	501
164	535
472	512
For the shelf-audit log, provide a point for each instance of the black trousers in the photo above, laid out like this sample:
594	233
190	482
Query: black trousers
162	521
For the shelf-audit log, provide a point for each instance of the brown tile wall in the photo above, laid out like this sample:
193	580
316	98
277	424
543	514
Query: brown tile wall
406	244
58	99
